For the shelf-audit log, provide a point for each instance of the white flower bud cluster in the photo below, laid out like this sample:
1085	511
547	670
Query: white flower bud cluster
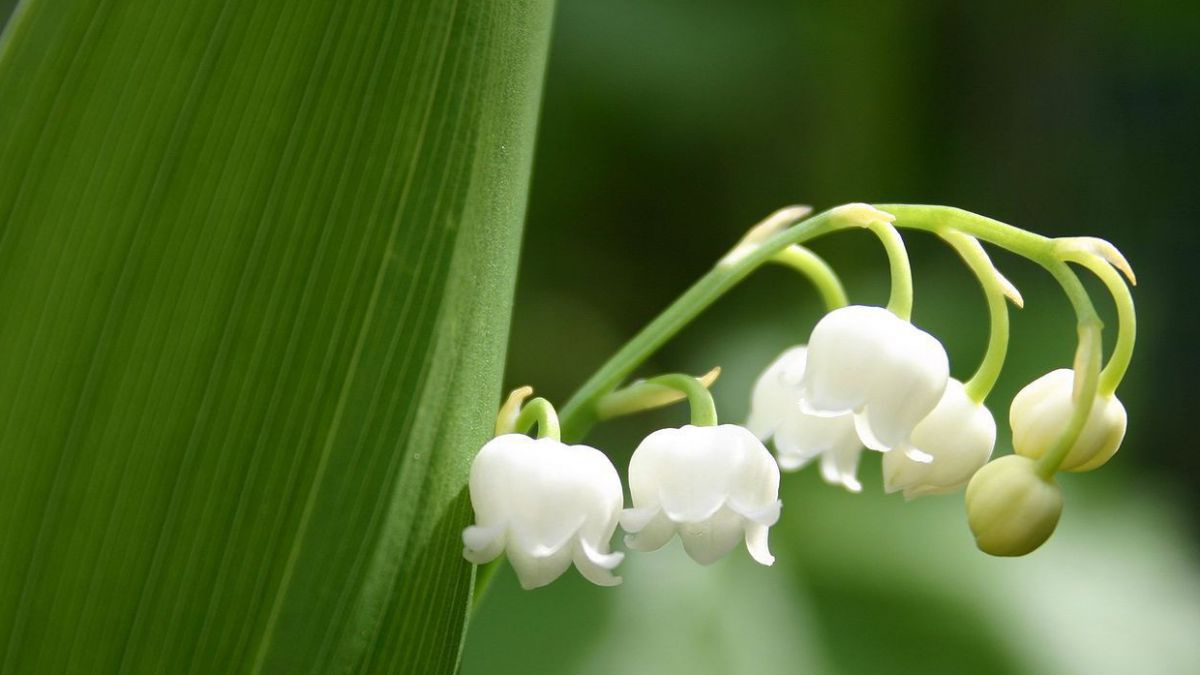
1011	508
546	504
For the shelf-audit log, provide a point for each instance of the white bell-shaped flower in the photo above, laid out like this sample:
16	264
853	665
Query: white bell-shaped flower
958	437
869	362
801	437
1042	410
714	485
545	504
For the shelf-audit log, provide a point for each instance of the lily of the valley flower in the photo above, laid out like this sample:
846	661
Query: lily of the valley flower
1042	410
545	504
714	485
868	361
958	436
801	437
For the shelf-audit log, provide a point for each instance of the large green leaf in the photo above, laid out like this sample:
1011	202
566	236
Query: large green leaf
256	267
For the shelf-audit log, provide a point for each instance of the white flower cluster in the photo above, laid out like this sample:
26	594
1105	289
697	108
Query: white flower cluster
545	503
870	379
867	378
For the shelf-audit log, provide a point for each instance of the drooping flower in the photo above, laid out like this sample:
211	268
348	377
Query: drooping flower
545	504
714	485
801	437
869	362
958	437
1010	508
1042	410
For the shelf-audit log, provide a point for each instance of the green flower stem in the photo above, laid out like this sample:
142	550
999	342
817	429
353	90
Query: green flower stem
936	219
704	410
579	413
817	270
984	379
642	395
539	411
1087	368
1118	362
901	300
1041	250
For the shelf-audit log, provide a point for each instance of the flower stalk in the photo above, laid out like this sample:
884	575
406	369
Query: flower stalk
818	271
1122	353
996	289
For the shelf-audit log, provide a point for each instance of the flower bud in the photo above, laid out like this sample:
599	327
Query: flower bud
1010	508
1042	410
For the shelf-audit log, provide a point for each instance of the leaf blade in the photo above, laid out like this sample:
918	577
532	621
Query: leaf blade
233	372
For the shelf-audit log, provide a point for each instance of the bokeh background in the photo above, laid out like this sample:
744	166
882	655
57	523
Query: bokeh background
671	126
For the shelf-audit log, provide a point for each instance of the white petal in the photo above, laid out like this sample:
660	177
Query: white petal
866	435
765	515
596	566
804	437
840	467
756	544
652	535
912	375
712	539
635	520
685	470
793	462
776	392
754	483
534	571
918	456
845	355
483	544
957	438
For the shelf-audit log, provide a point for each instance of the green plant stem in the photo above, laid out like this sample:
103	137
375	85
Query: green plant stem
900	301
1118	363
641	396
818	271
539	411
700	400
1087	369
579	414
984	379
1041	250
935	219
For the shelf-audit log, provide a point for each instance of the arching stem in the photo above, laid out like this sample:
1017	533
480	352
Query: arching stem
539	412
814	267
1118	363
969	249
704	410
901	300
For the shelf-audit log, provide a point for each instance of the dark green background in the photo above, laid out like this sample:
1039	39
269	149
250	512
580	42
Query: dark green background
669	127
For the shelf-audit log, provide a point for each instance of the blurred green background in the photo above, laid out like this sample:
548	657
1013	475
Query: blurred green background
671	126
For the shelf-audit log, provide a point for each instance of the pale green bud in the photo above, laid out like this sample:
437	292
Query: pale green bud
1042	410
1010	508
